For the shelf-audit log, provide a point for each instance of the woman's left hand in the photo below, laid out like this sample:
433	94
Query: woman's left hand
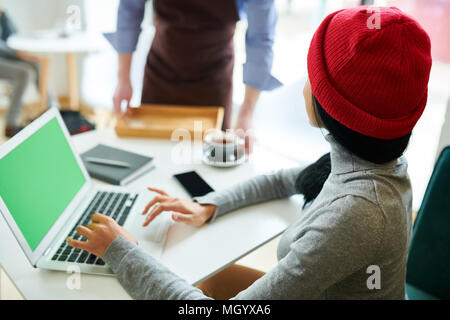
99	233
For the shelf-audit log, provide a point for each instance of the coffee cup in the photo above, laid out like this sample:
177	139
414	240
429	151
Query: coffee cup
223	147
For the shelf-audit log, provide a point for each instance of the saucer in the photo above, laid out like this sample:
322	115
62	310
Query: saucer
221	164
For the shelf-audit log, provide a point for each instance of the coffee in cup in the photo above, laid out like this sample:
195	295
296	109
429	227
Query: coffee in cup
223	147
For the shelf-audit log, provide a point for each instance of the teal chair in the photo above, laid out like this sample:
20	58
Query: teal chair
428	268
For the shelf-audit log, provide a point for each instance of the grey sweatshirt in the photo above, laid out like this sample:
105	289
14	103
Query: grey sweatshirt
350	243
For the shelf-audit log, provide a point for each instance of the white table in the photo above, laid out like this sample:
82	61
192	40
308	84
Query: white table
193	253
50	42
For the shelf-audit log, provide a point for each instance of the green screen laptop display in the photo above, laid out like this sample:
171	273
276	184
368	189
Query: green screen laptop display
38	180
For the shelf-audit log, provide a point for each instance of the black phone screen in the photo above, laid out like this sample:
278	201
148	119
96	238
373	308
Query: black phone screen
193	183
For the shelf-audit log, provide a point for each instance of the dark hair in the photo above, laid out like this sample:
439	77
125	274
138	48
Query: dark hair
310	181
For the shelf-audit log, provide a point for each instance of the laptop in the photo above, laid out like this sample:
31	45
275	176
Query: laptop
46	192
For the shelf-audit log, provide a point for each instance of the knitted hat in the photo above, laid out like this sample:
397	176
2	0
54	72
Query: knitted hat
369	69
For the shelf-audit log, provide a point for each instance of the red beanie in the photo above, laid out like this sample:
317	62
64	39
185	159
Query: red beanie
369	69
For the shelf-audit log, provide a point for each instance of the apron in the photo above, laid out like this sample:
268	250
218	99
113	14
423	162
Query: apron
192	54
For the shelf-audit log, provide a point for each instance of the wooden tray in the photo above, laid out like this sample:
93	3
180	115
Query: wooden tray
159	121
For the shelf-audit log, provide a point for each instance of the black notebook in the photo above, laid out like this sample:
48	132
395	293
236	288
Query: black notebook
138	164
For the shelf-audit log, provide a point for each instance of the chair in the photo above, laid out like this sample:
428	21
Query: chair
428	273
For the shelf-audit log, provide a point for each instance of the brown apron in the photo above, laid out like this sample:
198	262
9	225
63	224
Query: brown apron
192	54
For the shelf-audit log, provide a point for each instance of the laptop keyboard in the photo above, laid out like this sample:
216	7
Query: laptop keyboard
113	204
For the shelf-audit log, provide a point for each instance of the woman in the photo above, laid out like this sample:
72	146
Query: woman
368	88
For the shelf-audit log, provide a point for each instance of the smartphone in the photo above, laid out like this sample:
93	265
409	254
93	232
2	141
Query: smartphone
193	183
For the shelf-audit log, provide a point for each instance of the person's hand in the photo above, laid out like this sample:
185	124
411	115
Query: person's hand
188	212
243	128
100	233
244	120
124	91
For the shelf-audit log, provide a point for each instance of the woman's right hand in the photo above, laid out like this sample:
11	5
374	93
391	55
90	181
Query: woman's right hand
124	91
188	212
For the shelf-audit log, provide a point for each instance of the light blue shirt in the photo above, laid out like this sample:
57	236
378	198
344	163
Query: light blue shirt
260	14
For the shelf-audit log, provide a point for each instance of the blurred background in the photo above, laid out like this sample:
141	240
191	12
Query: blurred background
280	120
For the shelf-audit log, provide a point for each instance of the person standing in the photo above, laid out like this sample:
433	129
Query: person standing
192	54
17	68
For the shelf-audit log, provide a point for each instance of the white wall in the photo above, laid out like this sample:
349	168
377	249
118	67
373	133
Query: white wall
29	15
